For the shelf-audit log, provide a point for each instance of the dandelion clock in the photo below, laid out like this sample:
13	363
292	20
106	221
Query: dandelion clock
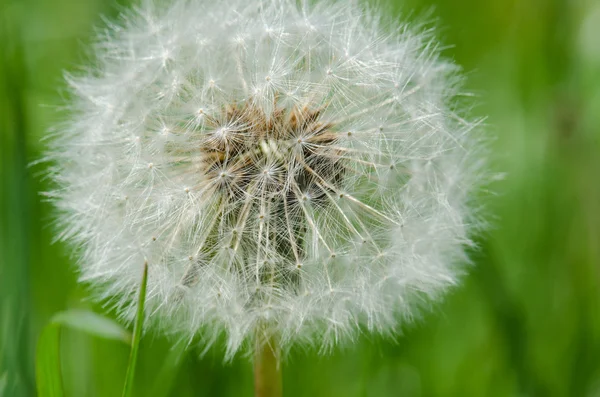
289	173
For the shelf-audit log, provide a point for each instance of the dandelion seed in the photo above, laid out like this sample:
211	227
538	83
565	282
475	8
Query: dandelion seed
290	168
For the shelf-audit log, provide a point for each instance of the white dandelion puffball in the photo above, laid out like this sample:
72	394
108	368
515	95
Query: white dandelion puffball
298	169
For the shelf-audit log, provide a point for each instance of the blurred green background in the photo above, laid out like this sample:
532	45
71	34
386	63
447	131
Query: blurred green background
526	320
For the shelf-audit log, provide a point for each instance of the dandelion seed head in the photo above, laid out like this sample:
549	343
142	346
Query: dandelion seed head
299	168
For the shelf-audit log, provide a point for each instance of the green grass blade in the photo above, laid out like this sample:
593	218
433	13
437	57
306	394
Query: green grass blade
3	383
137	334
47	365
93	324
163	383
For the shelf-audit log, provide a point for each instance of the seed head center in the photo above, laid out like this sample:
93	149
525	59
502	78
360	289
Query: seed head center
285	155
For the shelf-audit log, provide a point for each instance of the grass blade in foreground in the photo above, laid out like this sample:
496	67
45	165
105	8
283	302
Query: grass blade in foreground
48	367
92	324
137	334
165	379
47	363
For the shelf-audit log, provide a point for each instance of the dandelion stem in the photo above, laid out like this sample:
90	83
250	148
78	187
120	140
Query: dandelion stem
267	369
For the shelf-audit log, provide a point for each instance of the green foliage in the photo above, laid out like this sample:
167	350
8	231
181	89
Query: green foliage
48	358
47	365
525	320
92	324
137	335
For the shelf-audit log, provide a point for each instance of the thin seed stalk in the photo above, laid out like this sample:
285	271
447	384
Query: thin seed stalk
267	369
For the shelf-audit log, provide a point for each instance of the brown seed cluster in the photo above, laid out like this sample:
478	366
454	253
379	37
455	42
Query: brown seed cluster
266	170
290	152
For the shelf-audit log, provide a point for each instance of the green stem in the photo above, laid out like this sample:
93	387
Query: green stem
137	334
267	369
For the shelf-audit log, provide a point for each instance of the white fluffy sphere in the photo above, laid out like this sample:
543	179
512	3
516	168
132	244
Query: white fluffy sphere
294	168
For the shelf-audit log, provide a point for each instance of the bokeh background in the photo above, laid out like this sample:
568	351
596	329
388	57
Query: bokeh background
525	321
